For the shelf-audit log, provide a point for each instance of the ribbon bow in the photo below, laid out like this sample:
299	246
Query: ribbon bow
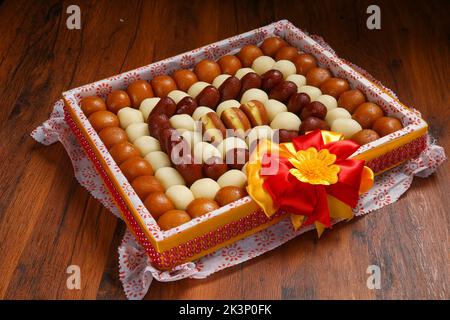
311	178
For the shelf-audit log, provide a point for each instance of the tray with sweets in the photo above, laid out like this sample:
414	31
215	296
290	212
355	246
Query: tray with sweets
171	140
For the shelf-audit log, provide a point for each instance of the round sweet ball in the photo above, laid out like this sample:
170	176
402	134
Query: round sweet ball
144	185
168	177
128	116
196	88
233	178
316	76
348	127
206	70
219	80
334	87
229	194
137	130
182	121
262	64
139	90
136	166
248	54
254	94
311	91
230	143
205	188
117	100
192	137
337	113
274	107
103	119
147	144
304	63
386	125
201	206
257	134
328	101
200	112
298	79
286	53
177	95
158	159
162	85
91	104
242	72
367	113
351	99
286	120
286	67
365	136
229	64
112	135
271	45
147	105
227	104
203	151
157	203
184	79
180	196
123	151
172	219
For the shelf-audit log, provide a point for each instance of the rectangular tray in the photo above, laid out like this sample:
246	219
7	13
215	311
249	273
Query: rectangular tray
242	218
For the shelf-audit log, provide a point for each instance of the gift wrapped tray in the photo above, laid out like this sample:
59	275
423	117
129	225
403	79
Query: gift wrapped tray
236	220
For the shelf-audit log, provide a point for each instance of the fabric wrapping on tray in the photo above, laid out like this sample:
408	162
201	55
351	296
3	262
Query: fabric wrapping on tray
135	270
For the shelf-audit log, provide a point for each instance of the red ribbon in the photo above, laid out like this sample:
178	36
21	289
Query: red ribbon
296	197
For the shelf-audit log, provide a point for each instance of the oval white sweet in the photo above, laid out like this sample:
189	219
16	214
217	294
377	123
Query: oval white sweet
128	116
257	134
230	143
348	127
262	64
242	72
180	196
147	144
205	188
286	120
286	67
136	130
337	113
274	107
203	151
227	104
147	105
328	101
220	79
298	79
254	94
168	177
182	121
192	137
196	88
158	159
233	178
177	95
311	91
200	112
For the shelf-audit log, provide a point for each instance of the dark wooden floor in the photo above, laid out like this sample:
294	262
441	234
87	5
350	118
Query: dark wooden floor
48	221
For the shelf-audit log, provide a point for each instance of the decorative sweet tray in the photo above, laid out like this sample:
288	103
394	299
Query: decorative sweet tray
241	218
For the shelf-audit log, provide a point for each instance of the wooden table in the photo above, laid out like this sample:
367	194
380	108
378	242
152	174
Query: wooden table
48	221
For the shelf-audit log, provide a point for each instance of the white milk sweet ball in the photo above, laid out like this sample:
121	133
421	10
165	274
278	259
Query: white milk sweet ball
254	94
205	188
274	107
168	177
147	144
311	91
227	104
262	64
232	178
348	127
136	130
128	116
286	67
298	79
180	196
286	120
158	159
328	101
337	113
147	105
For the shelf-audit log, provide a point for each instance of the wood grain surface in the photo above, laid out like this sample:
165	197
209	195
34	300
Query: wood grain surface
48	221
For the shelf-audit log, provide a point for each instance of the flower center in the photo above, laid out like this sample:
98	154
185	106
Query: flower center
315	167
